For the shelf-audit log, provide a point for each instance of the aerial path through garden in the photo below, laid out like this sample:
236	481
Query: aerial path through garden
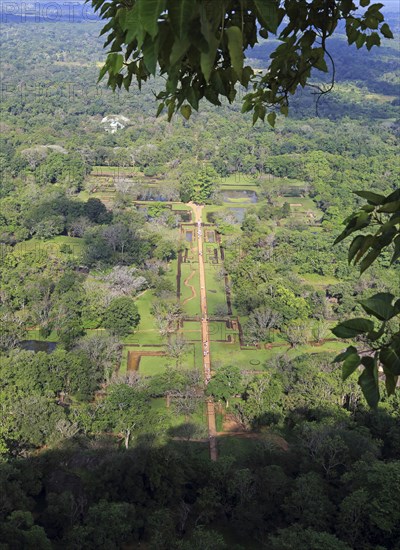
212	431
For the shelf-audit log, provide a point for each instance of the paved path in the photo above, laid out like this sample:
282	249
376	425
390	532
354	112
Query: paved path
212	432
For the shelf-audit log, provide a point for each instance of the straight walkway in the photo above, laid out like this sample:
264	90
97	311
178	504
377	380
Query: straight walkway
212	431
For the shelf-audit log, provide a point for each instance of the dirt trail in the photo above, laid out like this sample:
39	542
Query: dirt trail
194	293
212	432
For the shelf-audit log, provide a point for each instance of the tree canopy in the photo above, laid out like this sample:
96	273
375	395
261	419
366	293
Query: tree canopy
200	47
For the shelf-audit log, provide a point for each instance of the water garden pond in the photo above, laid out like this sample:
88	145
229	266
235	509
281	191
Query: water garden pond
38	345
239	195
238	211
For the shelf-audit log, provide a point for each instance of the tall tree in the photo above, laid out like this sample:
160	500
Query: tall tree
121	317
200	47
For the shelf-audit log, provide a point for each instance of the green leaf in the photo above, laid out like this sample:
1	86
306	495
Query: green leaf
171	109
369	385
271	118
390	381
130	23
355	222
235	47
369	259
350	364
385	30
390	207
127	81
364	3
373	40
372	198
396	253
368	242
160	109
368	208
115	62
390	358
102	72
207	64
360	40
248	72
181	12
186	111
395	196
207	57
150	54
353	327
284	109
268	13
320	62
355	246
342	356
149	12
179	49
193	97
375	7
380	306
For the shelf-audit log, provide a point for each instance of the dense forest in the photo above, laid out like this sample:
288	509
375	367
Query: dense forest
103	419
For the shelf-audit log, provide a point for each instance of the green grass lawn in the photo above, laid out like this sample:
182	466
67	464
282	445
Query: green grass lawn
191	331
192	306
34	334
147	331
51	245
171	273
239	448
231	354
174	420
238	180
306	203
318	281
216	296
144	303
150	366
257	359
219	331
126	170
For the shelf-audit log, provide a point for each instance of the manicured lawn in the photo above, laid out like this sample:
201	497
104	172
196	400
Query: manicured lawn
51	245
175	421
34	334
192	306
257	359
318	281
144	303
219	331
238	180
231	354
150	366
239	448
147	331
126	170
171	274
156	364
191	331
216	296
305	202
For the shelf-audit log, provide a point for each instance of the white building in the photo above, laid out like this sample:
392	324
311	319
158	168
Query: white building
113	123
